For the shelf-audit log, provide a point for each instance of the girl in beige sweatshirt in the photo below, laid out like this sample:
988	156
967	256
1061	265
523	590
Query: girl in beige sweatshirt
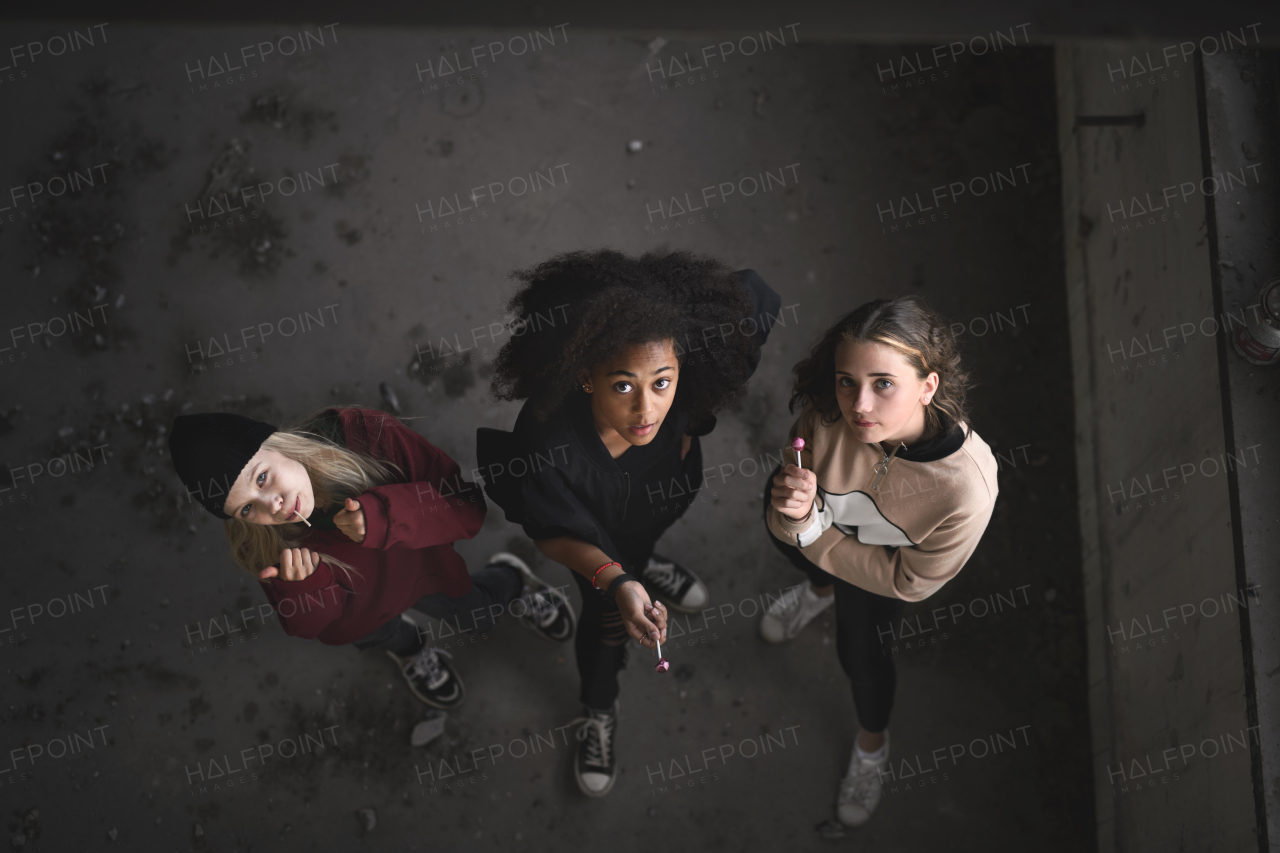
892	499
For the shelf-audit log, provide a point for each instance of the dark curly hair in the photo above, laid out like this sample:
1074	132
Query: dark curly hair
909	326
579	309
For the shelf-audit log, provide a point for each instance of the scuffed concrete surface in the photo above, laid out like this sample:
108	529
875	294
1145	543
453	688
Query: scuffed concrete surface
127	253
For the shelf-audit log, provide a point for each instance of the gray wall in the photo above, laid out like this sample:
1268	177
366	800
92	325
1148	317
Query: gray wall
1152	545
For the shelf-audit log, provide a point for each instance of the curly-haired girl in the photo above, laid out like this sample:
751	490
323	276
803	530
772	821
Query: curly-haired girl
895	494
605	455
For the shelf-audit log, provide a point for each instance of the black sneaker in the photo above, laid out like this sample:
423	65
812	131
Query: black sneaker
431	678
545	609
596	767
674	584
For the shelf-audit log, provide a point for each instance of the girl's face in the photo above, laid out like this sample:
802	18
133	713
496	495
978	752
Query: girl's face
272	489
633	392
880	396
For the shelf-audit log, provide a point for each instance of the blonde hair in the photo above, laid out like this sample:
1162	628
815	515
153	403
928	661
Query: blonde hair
336	473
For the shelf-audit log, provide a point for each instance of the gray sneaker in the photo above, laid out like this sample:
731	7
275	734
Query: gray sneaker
860	790
787	616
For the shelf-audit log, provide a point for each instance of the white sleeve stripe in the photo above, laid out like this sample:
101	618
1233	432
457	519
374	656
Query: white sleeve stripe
815	529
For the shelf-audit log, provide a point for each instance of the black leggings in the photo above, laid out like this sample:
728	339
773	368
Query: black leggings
862	620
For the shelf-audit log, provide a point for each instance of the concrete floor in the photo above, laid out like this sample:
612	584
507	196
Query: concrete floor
358	246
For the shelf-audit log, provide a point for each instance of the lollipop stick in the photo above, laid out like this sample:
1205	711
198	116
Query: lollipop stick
663	663
797	444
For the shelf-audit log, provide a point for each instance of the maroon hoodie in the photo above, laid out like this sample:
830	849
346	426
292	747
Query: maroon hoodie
409	527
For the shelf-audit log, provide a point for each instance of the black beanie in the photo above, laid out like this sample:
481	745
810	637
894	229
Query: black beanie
210	450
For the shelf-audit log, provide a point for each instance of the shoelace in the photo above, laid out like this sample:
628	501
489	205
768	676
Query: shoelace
543	609
663	575
863	785
427	663
800	606
598	747
789	605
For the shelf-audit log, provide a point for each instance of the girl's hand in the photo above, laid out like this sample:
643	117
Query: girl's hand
295	564
642	617
793	492
685	443
351	520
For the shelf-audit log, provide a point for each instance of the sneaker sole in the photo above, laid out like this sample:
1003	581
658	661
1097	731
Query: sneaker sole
671	604
568	608
662	596
505	558
846	823
462	688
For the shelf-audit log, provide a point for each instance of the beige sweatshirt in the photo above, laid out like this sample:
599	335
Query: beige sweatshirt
903	533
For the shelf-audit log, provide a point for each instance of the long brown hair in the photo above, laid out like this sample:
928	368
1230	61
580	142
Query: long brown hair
907	325
336	473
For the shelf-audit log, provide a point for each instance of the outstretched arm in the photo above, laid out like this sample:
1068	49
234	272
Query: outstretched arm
641	616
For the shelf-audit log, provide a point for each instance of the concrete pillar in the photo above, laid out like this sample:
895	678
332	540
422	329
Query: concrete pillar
1167	678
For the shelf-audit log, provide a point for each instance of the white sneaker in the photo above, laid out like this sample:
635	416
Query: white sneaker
860	790
787	616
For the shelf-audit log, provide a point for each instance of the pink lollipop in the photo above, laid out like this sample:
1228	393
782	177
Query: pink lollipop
797	444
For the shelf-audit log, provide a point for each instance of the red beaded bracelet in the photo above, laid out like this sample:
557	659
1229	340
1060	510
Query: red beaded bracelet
596	576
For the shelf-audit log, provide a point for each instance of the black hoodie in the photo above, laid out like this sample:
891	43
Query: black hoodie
556	478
